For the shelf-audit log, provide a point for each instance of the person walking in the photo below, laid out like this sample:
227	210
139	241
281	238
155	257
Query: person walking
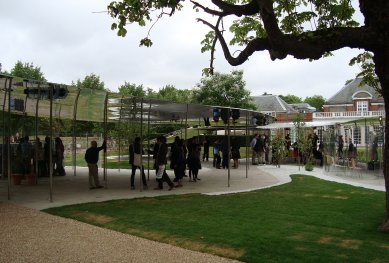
177	161
92	157
254	153
135	149
161	161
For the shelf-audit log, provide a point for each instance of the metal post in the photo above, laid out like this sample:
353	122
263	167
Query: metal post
229	147
36	133
4	136
105	137
119	126
148	142
141	145
74	150
51	87
9	136
247	144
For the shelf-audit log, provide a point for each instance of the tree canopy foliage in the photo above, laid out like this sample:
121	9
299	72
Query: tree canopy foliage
291	99
91	81
27	71
316	101
225	90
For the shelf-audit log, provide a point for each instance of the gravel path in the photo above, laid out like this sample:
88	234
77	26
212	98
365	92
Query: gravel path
28	235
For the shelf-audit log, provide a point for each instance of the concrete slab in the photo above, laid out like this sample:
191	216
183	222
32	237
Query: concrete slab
72	189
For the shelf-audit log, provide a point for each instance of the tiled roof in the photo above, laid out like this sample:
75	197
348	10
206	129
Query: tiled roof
345	95
272	103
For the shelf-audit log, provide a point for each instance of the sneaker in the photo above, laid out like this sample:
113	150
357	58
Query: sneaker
99	186
171	188
92	187
157	188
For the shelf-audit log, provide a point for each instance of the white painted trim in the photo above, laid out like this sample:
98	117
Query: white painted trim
337	105
360	91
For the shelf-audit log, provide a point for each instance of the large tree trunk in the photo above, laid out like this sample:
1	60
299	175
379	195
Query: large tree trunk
381	60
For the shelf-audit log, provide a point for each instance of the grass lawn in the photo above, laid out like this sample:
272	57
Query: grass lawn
307	220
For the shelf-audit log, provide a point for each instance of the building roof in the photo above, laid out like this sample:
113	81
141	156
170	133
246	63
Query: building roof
351	91
303	107
272	103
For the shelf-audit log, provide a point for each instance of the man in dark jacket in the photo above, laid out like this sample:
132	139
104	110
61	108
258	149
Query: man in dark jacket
92	157
161	161
132	150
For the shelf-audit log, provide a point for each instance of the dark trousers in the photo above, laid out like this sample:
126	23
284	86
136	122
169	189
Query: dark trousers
142	171
165	178
216	160
179	171
206	154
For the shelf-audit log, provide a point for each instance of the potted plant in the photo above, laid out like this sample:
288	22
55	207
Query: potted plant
309	166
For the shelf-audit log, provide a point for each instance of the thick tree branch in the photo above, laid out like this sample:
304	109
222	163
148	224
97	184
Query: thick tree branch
207	10
239	10
310	45
252	46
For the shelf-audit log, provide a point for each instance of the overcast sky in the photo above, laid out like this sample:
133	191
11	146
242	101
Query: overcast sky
69	40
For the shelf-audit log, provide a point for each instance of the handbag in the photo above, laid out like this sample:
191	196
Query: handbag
137	159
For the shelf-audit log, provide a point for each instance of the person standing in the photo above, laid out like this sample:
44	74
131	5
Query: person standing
194	163
177	161
254	153
235	152
206	149
132	150
216	154
161	161
59	156
92	157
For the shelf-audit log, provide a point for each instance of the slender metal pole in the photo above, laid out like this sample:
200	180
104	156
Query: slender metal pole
9	136
247	144
148	142
141	145
51	142
4	135
36	133
119	127
229	147
105	136
186	122
74	152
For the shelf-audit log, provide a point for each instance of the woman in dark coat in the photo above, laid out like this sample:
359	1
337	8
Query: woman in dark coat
194	163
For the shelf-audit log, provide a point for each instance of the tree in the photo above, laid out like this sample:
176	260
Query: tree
27	71
169	92
132	90
316	101
225	90
304	29
91	81
291	99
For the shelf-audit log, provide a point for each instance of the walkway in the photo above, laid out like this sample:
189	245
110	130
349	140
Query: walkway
29	235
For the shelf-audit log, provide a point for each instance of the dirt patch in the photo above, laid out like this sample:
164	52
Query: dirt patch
309	195
223	251
339	197
345	243
351	243
326	240
298	237
91	217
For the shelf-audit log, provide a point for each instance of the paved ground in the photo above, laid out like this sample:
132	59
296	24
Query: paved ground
29	235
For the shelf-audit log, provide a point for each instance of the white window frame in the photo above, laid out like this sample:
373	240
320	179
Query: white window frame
362	106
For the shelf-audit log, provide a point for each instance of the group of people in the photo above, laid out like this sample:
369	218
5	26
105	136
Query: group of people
260	149
27	157
181	156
